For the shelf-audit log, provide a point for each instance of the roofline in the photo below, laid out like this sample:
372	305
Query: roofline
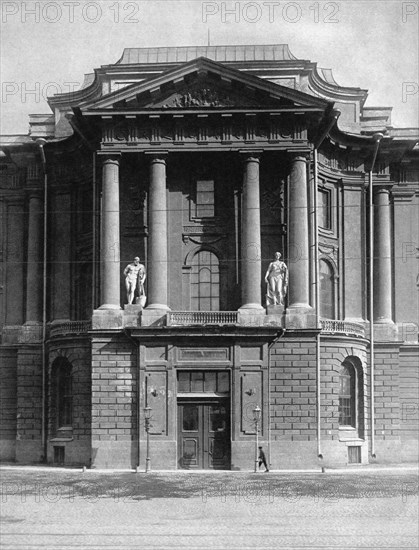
183	69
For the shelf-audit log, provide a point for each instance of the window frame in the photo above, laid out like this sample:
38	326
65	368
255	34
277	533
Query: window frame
197	270
63	379
333	277
352	397
222	382
322	190
356	430
195	205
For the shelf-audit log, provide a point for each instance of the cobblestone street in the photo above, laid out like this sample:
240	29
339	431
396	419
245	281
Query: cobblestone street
60	509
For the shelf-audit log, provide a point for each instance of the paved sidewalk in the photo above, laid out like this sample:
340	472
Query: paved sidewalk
62	509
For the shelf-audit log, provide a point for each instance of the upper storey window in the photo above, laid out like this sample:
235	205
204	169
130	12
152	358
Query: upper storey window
205	282
327	290
324	214
205	199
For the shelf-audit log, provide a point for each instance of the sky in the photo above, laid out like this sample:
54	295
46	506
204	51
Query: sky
47	46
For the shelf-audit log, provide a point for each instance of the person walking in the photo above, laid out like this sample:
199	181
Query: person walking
262	459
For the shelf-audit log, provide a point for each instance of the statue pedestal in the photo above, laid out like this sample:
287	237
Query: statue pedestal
275	310
132	315
275	315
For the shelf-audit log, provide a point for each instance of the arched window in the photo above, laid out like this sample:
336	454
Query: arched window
63	392
347	396
327	290
205	282
351	395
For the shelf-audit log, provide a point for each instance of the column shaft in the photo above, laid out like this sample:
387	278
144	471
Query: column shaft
34	268
251	243
110	246
61	255
157	246
382	256
298	243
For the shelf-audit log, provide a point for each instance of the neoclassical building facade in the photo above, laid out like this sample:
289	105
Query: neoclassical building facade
204	162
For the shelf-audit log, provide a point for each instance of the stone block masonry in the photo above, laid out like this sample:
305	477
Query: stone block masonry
29	404
293	390
293	400
114	402
8	402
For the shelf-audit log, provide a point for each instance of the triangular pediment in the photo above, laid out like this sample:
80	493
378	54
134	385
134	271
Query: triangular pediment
204	91
203	84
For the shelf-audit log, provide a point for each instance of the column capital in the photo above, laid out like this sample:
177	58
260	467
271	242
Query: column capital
382	186
157	156
111	158
252	155
34	193
302	156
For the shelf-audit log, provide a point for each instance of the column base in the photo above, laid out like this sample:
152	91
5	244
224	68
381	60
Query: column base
110	306
359	320
107	319
160	307
385	331
253	307
300	317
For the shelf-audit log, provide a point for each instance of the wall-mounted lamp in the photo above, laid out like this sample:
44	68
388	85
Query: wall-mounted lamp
147	417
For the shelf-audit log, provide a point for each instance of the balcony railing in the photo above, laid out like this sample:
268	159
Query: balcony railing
70	327
342	327
187	318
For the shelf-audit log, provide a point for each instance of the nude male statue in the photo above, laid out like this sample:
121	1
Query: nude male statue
135	275
276	279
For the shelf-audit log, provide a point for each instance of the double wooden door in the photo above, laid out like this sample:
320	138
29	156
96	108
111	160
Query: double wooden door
204	434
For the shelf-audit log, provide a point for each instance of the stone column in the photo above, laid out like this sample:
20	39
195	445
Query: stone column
110	257
34	268
61	254
157	268
298	247
14	265
382	256
251	265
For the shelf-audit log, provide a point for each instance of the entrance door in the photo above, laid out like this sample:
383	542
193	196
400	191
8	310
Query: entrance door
204	435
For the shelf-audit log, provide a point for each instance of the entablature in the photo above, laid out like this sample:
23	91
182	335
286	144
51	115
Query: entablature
210	130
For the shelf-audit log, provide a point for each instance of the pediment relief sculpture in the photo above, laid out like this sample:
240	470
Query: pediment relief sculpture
201	97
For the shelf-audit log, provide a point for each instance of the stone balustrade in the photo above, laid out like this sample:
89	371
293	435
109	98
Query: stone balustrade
342	327
186	318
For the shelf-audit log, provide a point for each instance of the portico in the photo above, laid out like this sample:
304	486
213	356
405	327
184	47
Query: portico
197	112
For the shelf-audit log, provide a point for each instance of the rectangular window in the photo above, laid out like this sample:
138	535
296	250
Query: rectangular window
197	381
184	382
59	454
205	203
354	455
203	382
324	215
